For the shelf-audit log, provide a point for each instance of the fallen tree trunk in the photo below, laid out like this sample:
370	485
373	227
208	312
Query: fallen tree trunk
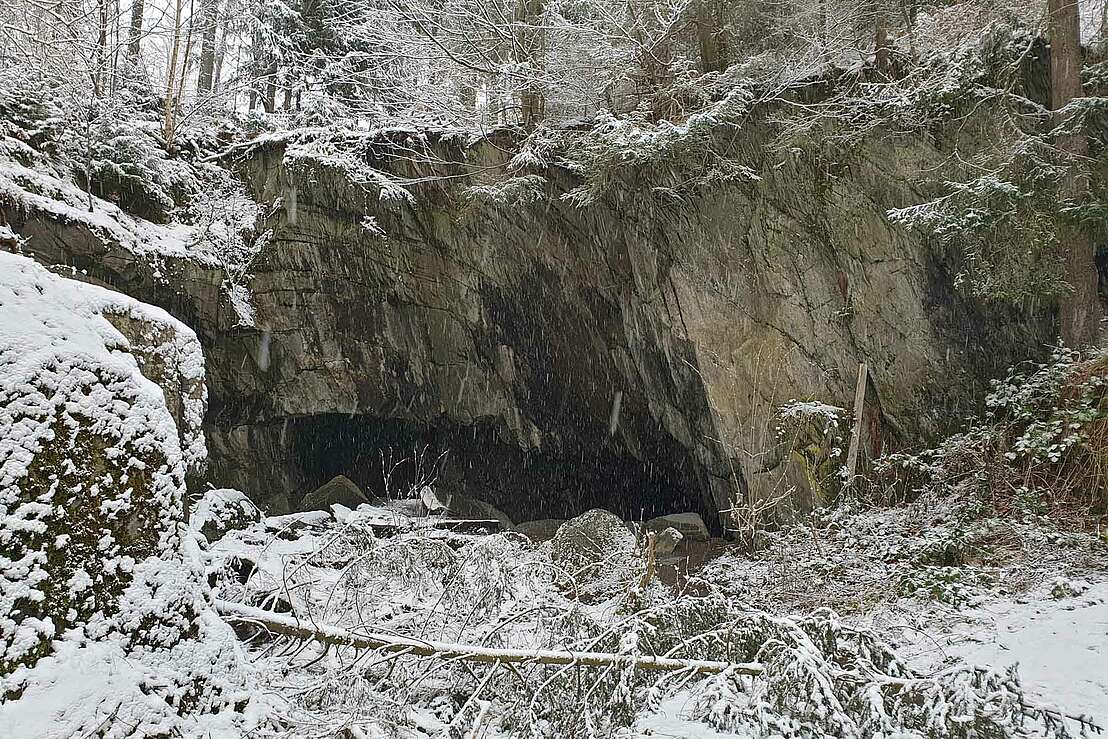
291	626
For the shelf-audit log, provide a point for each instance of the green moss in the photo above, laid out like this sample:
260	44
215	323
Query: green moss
91	504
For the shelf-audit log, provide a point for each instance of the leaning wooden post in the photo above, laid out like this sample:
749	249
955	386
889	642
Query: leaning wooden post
856	433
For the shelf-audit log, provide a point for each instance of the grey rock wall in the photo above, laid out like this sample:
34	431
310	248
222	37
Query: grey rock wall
549	359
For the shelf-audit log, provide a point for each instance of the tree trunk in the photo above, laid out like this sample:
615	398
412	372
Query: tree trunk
220	55
655	55
909	9
269	100
185	62
209	17
116	36
1079	311
530	51
171	74
708	29
821	34
880	37
134	38
101	48
286	625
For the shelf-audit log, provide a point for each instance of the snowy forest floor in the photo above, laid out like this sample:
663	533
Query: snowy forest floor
940	587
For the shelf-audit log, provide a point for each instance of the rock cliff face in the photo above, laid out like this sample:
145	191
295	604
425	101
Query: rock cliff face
630	354
549	358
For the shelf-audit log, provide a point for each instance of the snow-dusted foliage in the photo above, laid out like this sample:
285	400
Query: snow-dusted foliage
680	157
1003	219
1042	445
490	595
316	156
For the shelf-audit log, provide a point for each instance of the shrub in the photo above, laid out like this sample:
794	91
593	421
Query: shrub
1042	443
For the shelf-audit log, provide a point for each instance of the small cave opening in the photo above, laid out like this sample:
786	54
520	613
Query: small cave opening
387	457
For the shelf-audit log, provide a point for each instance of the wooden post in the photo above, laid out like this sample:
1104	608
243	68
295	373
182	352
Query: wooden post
856	433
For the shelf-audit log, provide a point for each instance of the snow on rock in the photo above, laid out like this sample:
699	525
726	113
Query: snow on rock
164	665
35	190
105	615
600	550
222	510
101	403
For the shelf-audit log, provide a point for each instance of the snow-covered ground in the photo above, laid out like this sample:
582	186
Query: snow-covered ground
1060	644
376	570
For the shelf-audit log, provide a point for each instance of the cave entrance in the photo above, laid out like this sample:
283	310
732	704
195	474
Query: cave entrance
386	457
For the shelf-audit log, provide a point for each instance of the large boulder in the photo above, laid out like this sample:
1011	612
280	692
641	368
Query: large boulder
106	624
465	507
598	551
690	525
101	400
339	490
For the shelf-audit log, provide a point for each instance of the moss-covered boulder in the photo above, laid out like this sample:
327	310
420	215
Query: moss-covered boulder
101	400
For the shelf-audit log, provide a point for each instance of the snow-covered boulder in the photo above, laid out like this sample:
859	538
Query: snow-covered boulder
106	620
222	510
101	403
598	550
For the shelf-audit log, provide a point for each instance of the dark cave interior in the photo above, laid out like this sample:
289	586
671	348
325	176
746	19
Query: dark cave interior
474	460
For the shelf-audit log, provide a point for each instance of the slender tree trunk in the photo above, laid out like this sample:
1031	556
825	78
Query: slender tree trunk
209	18
171	74
220	55
134	39
101	48
269	100
908	10
531	51
1079	311
116	13
881	36
188	52
655	54
278	623
708	28
824	44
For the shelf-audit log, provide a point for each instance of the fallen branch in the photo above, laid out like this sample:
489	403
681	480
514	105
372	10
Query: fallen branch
292	626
